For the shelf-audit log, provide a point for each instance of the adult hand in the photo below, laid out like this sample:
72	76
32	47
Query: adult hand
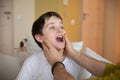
69	51
52	54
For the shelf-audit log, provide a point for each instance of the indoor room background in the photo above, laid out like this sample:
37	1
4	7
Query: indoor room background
95	22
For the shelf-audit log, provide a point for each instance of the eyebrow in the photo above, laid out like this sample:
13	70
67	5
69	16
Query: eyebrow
54	23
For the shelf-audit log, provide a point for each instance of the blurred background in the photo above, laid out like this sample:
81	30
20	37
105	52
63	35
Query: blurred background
95	22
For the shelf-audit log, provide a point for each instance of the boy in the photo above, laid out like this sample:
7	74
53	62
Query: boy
49	26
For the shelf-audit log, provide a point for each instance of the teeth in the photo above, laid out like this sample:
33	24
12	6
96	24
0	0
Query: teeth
60	36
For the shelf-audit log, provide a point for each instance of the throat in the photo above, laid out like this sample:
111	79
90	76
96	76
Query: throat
59	39
62	53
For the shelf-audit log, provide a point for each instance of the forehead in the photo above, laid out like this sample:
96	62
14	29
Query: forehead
53	19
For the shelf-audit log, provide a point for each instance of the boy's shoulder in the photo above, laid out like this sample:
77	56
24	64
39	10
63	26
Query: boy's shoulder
68	61
36	57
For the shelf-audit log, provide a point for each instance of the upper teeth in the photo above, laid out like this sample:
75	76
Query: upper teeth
60	36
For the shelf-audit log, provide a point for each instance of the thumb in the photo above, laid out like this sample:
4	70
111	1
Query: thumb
66	38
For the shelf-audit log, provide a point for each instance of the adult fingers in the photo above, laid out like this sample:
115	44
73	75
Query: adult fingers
47	43
66	38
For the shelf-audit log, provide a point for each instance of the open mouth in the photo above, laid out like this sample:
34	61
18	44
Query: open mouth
60	38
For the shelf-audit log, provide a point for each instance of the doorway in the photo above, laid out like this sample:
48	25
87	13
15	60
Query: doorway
98	26
92	23
6	27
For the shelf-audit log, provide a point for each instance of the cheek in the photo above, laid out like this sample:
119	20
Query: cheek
64	31
46	34
49	36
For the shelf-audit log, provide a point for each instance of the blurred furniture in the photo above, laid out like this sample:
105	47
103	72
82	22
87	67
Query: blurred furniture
9	67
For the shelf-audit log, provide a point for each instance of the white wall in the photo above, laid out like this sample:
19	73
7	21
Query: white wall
6	26
23	13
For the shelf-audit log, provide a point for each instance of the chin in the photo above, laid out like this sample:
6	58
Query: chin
60	48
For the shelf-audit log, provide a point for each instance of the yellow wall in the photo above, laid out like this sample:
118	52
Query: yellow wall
68	12
42	6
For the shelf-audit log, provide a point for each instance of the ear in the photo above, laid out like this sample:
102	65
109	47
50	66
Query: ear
39	38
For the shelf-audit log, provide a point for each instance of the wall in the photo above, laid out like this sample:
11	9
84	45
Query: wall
101	27
71	17
42	6
6	26
69	13
23	11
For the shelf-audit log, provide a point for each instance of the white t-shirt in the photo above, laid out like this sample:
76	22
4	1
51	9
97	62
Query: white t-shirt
36	67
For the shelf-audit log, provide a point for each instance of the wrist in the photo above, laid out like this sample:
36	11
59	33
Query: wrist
73	54
57	64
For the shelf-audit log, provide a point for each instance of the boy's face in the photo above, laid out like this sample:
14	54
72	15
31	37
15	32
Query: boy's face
53	30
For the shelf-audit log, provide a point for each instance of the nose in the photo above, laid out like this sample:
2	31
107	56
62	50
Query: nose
59	29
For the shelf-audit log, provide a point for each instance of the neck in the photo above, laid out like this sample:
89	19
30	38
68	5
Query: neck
61	52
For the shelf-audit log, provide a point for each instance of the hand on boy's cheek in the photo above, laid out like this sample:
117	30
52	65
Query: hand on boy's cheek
51	53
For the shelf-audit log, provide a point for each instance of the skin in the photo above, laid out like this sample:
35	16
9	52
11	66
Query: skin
52	29
87	62
53	56
60	73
